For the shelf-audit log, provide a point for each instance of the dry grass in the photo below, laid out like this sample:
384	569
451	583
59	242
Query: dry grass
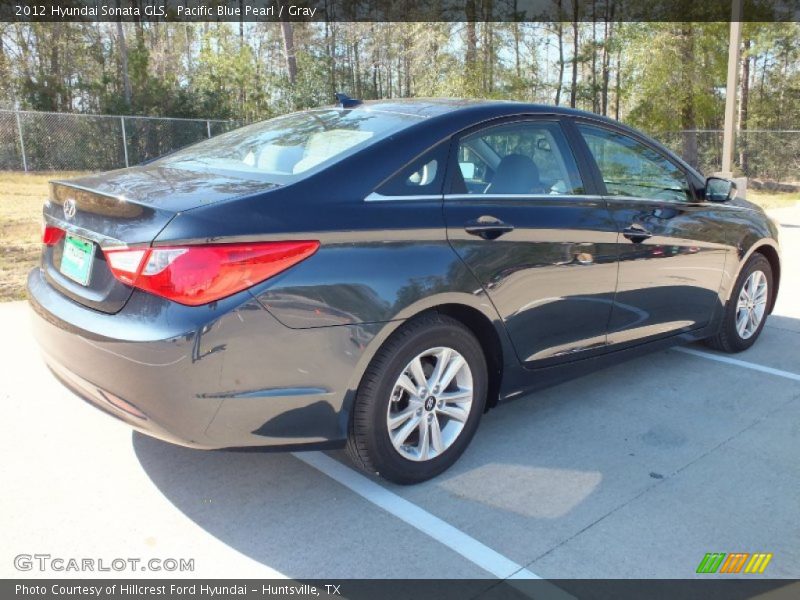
22	195
21	199
767	199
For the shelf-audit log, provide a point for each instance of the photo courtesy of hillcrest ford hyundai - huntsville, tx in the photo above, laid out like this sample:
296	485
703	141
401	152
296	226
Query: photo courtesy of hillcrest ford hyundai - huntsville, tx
378	275
189	590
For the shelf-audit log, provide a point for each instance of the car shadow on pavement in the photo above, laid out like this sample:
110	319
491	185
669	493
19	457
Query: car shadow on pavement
540	470
284	514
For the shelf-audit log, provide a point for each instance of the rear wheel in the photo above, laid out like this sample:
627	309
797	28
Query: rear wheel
420	401
747	309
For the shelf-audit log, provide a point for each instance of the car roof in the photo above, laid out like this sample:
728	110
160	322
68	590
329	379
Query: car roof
434	107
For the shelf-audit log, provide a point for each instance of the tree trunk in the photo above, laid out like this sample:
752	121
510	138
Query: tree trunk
407	65
241	24
188	30
618	82
330	44
375	65
472	37
4	70
687	112
137	19
488	56
357	69
54	75
287	31
573	92
744	96
471	53
399	76
123	59
595	105
608	32
560	35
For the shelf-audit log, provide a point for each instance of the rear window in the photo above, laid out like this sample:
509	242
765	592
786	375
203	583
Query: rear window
288	148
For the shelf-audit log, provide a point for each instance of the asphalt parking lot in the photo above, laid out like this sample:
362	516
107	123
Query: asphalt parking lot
634	471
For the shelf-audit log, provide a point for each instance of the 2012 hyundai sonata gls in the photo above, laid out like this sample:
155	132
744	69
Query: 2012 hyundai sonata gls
382	274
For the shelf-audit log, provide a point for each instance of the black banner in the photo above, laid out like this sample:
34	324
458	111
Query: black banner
717	588
398	10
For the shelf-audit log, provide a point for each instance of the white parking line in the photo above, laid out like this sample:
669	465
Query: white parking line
444	533
740	363
479	554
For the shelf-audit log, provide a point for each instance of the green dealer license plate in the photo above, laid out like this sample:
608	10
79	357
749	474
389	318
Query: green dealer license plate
77	258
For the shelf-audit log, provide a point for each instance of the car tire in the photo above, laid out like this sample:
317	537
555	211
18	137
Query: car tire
736	332
385	410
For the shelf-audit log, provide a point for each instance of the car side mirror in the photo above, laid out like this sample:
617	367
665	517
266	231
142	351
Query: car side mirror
719	189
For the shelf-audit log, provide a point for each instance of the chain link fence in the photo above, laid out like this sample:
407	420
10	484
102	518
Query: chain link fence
45	141
770	156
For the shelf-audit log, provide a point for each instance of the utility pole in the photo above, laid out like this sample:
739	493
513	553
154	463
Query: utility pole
730	94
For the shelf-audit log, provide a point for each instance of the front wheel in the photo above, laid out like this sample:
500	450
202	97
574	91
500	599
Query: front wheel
747	309
420	401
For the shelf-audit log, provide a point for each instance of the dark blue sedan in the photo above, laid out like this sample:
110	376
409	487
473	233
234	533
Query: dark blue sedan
378	275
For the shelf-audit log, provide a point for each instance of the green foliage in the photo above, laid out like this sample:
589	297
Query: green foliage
676	75
306	91
662	77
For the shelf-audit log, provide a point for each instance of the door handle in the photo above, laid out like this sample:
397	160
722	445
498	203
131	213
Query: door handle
636	233
488	228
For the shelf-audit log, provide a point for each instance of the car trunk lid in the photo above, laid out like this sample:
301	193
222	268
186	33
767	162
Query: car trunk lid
122	208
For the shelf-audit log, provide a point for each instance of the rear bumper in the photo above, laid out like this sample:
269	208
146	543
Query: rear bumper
222	375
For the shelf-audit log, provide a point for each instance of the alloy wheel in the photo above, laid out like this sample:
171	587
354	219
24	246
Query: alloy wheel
430	404
752	304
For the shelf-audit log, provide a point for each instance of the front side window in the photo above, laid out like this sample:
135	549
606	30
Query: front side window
520	158
286	149
629	168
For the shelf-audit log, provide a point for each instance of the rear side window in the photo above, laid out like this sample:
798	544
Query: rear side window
286	149
423	176
520	158
630	168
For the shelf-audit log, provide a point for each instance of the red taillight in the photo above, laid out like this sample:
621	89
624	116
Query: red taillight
197	275
51	235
